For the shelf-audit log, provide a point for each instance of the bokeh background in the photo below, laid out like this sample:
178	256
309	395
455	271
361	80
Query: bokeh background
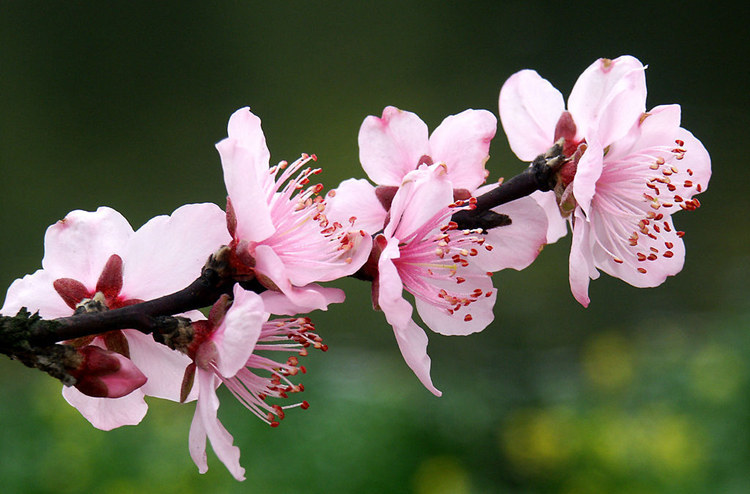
647	391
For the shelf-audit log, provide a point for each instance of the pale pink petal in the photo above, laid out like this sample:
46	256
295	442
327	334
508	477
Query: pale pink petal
244	127
654	269
581	261
206	423
279	304
164	367
462	142
247	193
236	336
518	244
589	170
167	253
355	198
529	110
557	226
390	288
79	245
422	195
412	341
391	146
268	264
479	313
36	293
108	413
608	97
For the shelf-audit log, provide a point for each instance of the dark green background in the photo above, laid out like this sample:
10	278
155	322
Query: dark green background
647	391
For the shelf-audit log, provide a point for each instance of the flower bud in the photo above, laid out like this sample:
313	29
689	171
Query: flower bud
105	374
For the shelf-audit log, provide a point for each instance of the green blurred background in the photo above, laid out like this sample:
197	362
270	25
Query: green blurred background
647	391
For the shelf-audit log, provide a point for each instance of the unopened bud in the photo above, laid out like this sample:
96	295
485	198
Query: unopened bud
105	374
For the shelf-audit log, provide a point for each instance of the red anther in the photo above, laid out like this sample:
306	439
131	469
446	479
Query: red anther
680	234
473	252
292	361
274	424
677	199
488	294
654	249
641	256
657	229
279	411
642	270
669	245
317	188
617	260
301	387
303	369
690	172
324	348
314	158
697	203
452	225
667	227
304	405
651	257
699	188
688	184
671	187
679	142
668	254
658	217
460	280
468	317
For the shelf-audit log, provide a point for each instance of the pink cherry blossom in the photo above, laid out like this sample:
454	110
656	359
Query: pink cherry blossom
422	252
628	170
280	231
230	348
96	256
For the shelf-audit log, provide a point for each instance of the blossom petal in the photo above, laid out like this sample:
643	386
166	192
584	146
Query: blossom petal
268	264
108	413
656	263
279	304
412	341
238	332
589	170
246	191
608	98
390	288
36	293
355	198
167	253
391	146
245	128
163	366
467	319
79	245
462	142
557	226
518	244
581	261
423	194
206	423
529	110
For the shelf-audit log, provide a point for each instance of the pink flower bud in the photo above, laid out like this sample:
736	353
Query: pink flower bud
105	374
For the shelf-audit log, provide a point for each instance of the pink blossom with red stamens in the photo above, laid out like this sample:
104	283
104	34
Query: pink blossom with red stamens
628	170
96	257
277	219
234	347
422	251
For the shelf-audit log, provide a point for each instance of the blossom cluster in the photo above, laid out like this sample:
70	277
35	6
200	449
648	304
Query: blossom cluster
620	173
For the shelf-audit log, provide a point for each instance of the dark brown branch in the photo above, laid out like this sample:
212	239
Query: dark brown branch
539	176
